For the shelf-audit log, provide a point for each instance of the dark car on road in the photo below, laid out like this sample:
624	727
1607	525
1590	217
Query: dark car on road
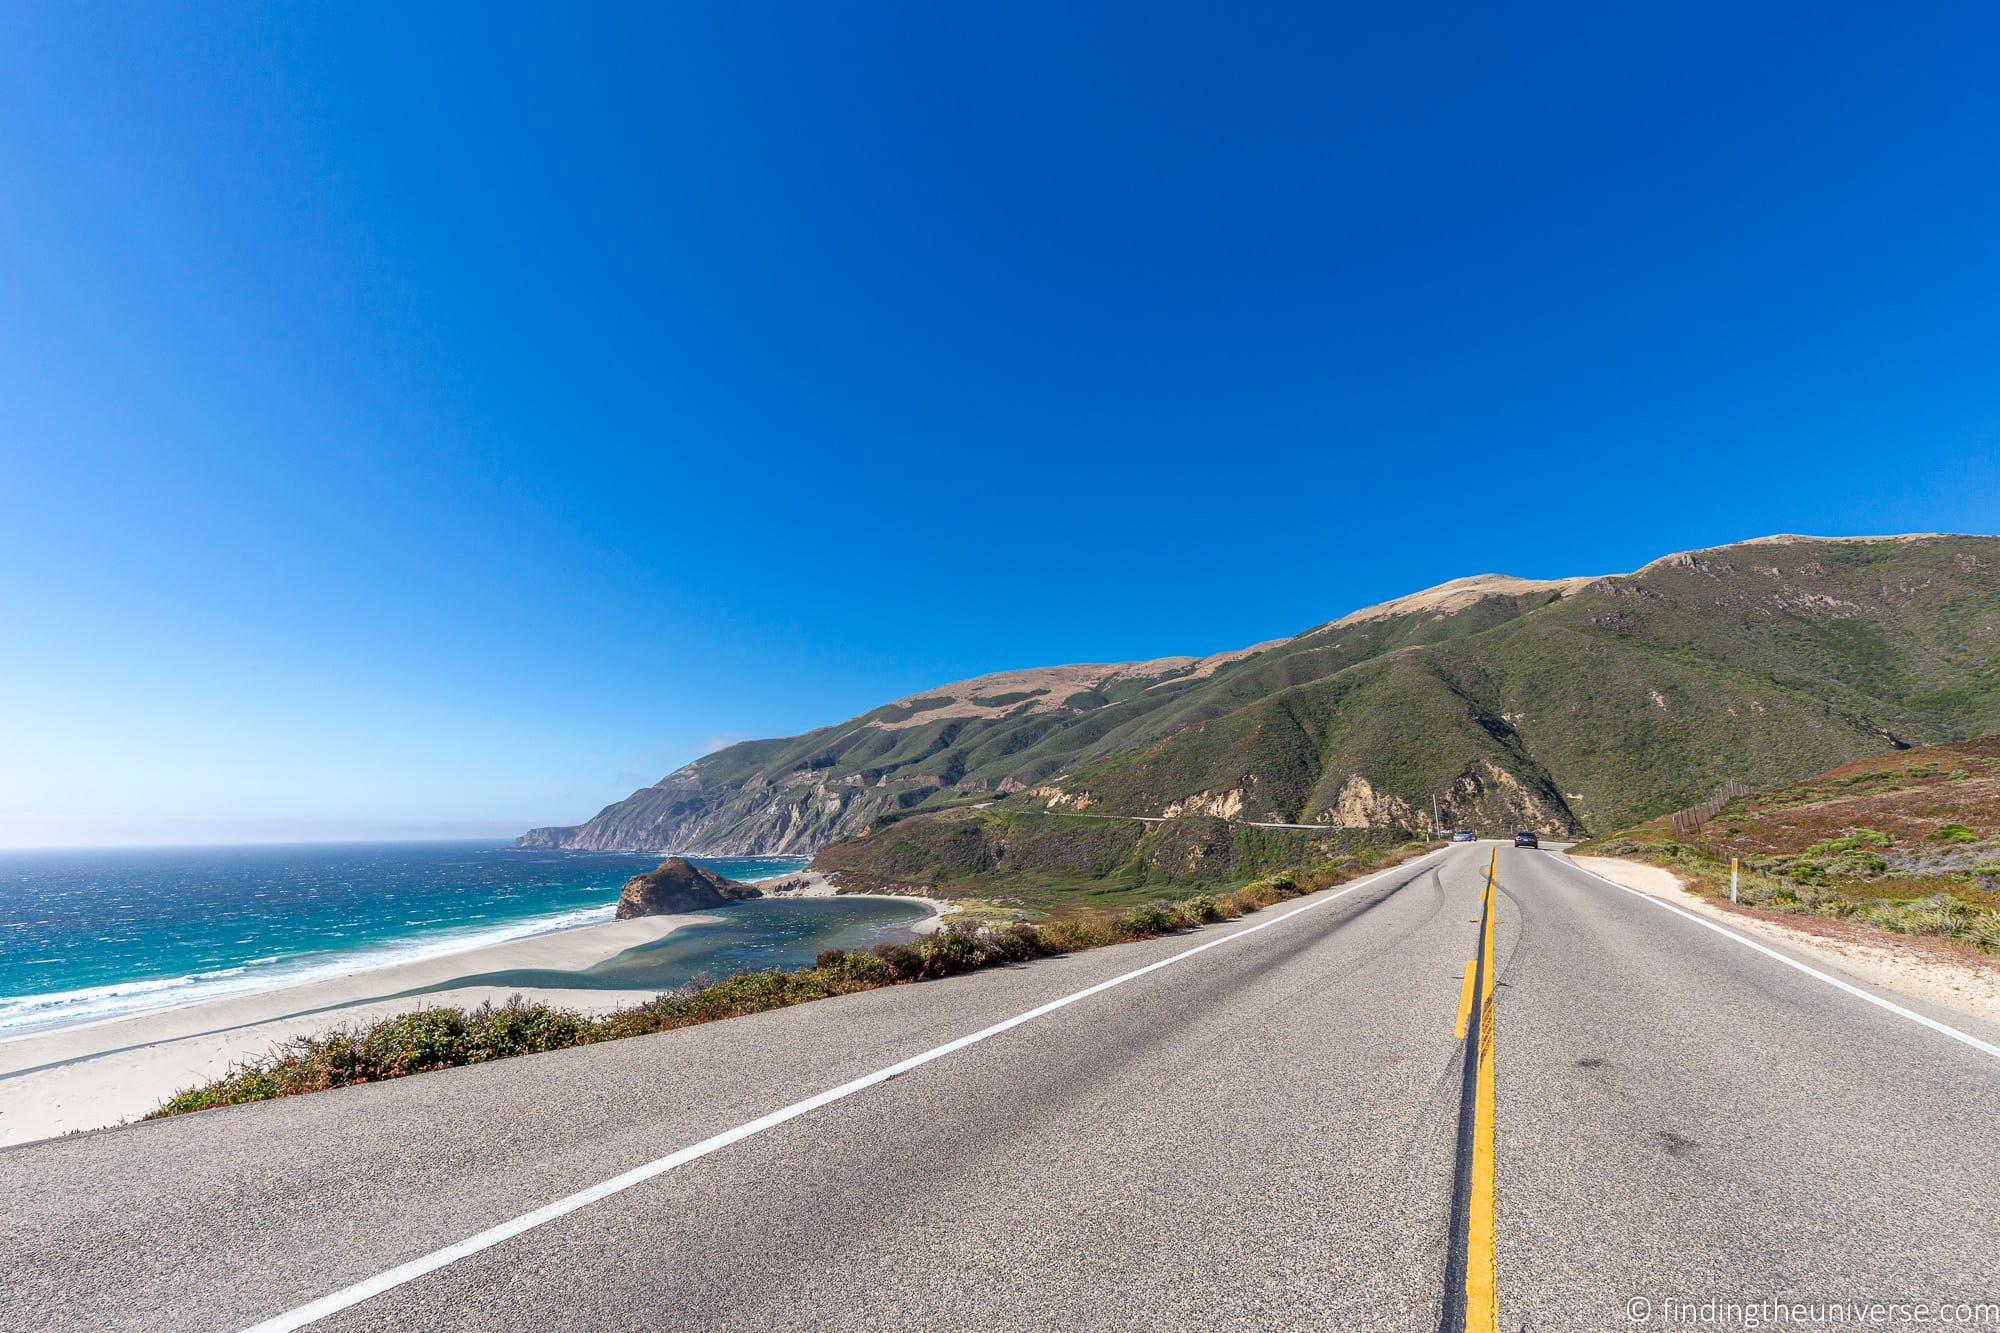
1465	835
1525	839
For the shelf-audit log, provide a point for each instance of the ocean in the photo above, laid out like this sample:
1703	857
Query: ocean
86	935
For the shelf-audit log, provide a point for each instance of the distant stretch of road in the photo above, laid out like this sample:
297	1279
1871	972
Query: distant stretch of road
1161	819
1273	1123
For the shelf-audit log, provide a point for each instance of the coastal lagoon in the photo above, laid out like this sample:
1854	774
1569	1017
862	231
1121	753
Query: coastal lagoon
90	935
750	936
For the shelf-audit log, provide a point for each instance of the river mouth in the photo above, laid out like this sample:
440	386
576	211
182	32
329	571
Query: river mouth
753	936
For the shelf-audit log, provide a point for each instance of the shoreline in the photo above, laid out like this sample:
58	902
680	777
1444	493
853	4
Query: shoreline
371	958
108	1071
809	883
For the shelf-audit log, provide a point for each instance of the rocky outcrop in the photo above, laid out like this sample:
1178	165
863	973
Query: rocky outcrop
1361	805
678	885
1220	804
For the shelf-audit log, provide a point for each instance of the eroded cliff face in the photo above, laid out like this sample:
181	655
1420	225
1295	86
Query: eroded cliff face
740	819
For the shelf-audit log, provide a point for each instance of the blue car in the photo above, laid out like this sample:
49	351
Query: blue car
1526	839
1465	835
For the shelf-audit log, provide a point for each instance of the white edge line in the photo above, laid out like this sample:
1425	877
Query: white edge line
314	1311
1975	1043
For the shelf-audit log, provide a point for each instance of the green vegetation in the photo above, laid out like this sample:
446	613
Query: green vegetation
1057	862
1908	842
438	1037
1589	707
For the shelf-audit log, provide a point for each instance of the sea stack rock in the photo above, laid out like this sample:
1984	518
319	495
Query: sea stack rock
678	886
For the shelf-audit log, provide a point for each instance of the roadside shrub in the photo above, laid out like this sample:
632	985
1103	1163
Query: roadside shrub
950	952
1016	942
428	1038
1241	902
1955	833
655	1015
1257	894
1029	933
521	1028
904	962
847	972
1071	936
1197	911
1156	918
746	993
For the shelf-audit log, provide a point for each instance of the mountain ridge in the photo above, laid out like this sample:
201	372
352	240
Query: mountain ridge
1572	704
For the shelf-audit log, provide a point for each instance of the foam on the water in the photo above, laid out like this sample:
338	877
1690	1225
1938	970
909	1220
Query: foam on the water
89	936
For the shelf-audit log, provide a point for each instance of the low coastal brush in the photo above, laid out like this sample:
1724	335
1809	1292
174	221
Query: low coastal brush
441	1037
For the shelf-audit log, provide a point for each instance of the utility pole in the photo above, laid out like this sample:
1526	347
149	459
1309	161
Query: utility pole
1437	825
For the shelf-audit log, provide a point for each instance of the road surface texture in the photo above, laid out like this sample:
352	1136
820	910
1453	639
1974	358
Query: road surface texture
1265	1134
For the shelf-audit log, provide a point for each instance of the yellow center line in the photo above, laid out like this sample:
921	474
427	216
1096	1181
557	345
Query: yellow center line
1465	999
1482	1276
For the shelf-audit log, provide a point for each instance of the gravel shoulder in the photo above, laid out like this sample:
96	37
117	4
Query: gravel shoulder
1907	965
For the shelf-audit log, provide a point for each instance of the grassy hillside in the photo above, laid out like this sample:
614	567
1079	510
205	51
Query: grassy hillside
1045	862
1909	841
1569	706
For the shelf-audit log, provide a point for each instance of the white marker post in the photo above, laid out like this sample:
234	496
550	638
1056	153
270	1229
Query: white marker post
1732	879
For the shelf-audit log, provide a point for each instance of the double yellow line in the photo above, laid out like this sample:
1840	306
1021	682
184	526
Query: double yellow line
1482	1300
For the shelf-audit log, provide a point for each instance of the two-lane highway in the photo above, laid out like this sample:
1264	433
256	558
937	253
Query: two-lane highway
1260	1131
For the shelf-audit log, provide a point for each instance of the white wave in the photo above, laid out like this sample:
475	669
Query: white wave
26	1015
779	874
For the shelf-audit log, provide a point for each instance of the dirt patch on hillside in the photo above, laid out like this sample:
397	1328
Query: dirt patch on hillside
1044	689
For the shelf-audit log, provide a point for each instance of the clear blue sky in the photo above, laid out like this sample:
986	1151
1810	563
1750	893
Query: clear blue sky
431	419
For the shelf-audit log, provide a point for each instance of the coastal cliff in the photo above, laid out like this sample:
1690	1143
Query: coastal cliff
1564	705
678	886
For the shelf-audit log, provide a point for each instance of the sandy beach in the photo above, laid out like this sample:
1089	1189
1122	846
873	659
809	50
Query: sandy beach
100	1074
115	1070
119	1069
813	884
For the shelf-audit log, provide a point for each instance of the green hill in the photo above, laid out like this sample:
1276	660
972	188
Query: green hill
1571	705
1041	860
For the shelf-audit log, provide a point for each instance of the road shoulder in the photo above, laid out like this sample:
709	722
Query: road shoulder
1911	970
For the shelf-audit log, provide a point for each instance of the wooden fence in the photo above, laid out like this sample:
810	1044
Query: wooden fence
1687	821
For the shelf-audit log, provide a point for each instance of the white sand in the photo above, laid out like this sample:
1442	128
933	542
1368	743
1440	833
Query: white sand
104	1073
1910	969
124	1067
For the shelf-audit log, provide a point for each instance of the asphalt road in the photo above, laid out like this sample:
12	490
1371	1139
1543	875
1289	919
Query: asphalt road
1262	1135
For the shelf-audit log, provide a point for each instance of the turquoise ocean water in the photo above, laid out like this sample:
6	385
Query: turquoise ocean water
86	935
